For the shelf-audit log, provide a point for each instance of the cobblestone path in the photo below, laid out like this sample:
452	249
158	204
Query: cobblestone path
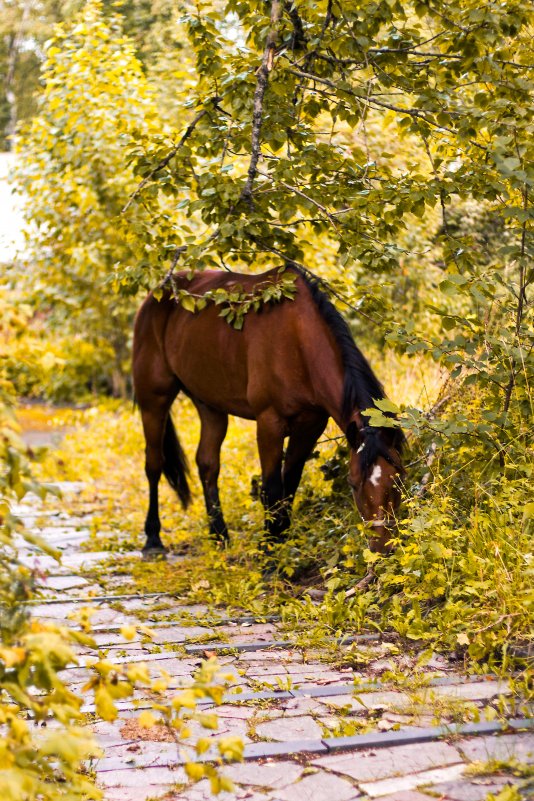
292	709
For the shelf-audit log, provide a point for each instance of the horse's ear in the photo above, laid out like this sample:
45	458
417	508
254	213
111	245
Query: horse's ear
352	435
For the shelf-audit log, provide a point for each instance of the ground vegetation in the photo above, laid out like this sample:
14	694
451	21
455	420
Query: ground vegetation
387	147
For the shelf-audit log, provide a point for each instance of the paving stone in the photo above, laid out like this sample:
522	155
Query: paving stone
320	786
239	712
261	750
57	611
300	706
76	560
381	665
63	536
505	746
173	665
201	791
273	775
108	734
386	787
380	763
149	754
408	721
106	614
256	631
36	560
470	692
67	487
239	638
273	656
61	583
134	793
180	634
143	779
310	678
267	670
323	690
227	727
406	795
372	700
296	728
471	790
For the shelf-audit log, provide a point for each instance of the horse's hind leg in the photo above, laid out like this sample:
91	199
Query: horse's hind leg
214	425
155	408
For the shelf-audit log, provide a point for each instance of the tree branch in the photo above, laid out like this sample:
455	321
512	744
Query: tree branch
519	309
299	192
299	38
170	155
261	86
372	101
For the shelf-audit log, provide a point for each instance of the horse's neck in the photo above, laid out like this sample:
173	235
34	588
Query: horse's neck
327	377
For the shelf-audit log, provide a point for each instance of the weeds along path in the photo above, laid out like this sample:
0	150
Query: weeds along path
329	711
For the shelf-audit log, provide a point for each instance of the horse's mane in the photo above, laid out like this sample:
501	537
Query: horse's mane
361	387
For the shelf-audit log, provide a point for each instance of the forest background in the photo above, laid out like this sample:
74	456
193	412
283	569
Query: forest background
388	147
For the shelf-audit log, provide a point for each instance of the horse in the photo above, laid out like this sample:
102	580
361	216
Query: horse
292	366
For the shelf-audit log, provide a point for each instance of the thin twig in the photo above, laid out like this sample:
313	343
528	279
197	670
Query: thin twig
302	194
170	155
520	307
373	102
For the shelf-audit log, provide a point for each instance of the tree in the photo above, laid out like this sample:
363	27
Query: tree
286	155
75	183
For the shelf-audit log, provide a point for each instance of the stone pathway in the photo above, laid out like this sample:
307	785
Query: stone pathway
312	732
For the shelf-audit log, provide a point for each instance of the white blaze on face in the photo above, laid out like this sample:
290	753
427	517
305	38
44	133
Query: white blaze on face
374	478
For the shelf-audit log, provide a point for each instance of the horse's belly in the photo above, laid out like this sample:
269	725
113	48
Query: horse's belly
211	363
243	372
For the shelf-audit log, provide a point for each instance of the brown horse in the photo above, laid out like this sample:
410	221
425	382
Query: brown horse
292	366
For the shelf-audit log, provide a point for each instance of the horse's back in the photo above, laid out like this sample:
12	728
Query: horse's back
269	363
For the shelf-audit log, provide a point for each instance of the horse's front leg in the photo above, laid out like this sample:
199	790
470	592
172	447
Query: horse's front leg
270	435
305	431
214	425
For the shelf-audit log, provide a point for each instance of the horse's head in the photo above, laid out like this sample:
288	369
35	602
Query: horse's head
375	470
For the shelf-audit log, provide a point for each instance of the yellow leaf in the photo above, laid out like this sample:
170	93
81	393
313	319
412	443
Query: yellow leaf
146	719
202	745
104	704
12	656
226	784
159	685
128	632
194	771
138	672
208	721
231	748
462	638
187	699
146	631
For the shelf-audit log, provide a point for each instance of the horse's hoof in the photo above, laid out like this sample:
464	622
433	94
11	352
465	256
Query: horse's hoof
156	554
270	571
220	539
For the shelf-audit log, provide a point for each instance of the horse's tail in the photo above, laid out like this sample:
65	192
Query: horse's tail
175	467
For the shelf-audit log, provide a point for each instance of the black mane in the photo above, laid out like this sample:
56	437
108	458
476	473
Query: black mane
361	387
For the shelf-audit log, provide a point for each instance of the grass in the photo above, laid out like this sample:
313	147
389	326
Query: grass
460	579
